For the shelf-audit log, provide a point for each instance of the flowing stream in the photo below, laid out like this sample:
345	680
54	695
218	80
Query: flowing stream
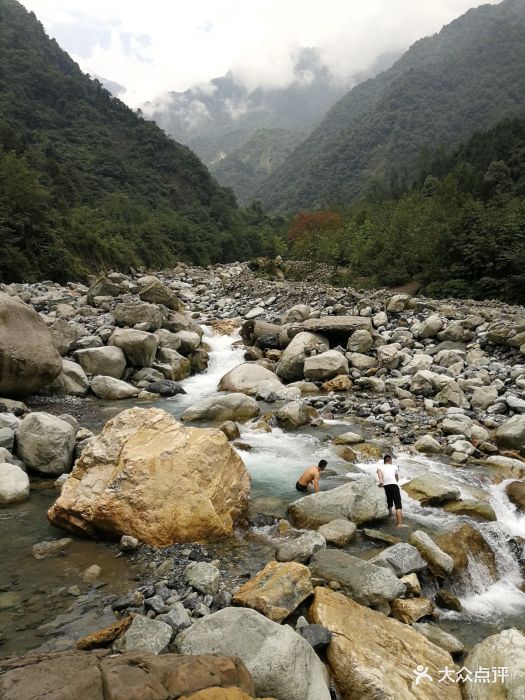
33	592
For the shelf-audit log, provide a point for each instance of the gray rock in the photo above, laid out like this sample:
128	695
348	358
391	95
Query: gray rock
189	341
203	577
361	580
144	634
223	407
72	381
511	434
107	361
291	363
14	484
428	445
483	397
402	558
317	636
431	490
430	327
503	650
152	290
177	618
451	395
293	415
359	501
46	443
248	379
360	341
325	366
138	347
50	548
348	439
299	312
338	532
7	438
128	543
130	313
439	562
437	636
282	664
300	548
112	389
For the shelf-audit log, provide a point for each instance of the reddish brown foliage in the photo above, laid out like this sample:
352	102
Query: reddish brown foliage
323	222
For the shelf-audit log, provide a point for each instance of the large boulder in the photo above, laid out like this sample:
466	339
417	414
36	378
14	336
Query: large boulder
439	562
359	579
511	434
281	663
111	389
325	365
28	357
145	634
465	543
505	650
372	656
300	548
291	363
46	443
101	675
359	501
139	347
14	484
431	490
71	381
516	494
338	532
189	341
102	287
153	291
173	365
248	378
402	558
129	313
277	590
223	407
293	414
107	361
129	481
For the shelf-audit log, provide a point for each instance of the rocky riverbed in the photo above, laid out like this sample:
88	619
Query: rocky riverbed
166	417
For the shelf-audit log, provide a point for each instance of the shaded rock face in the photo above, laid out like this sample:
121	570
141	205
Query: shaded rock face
503	650
98	675
511	434
466	543
28	357
130	478
516	494
277	590
281	663
431	490
372	656
359	501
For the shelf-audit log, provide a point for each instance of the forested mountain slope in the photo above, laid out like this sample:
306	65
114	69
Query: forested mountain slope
444	88
86	182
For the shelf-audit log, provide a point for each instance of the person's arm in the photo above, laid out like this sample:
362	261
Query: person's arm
397	474
316	484
380	476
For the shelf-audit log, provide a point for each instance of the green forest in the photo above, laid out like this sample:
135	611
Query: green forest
459	230
87	183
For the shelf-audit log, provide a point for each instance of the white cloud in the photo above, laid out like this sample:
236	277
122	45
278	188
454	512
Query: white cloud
191	42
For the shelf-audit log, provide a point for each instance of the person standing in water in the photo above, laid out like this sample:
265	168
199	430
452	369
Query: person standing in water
388	476
311	475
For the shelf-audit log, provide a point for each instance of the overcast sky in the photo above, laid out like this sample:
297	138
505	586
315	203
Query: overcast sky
159	45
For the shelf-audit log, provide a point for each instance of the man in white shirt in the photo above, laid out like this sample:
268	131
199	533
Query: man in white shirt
388	476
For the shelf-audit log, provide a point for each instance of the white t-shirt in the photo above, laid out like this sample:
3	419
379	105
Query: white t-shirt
389	473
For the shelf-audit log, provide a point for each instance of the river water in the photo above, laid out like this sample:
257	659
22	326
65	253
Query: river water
34	593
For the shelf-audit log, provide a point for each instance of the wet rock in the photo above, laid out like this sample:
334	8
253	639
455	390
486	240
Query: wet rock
348	439
152	456
248	378
439	562
128	543
301	548
284	665
237	407
359	501
230	429
338	532
361	580
106	361
439	637
503	650
14	484
112	389
277	590
447	600
165	387
402	558
105	636
50	548
173	365
373	656
431	490
516	494
46	443
410	610
379	536
293	415
412	585
203	577
91	574
465	542
477	510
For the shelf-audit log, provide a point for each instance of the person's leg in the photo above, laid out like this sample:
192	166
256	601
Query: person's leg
389	500
399	517
399	507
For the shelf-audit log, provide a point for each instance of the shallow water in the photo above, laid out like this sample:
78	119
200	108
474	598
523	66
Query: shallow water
275	461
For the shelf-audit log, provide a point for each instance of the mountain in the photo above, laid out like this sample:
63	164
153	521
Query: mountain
222	116
86	182
465	78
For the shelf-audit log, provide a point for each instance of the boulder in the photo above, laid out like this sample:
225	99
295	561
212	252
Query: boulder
130	313
428	445
430	327
237	407
511	434
452	395
173	365
106	361
203	577
144	634
64	335
336	327
505	650
348	438
72	381
439	637
153	291
359	579
101	675
483	397
282	664
300	548
431	490
359	501
139	347
28	358
477	510
402	558
138	466
466	542
516	494
46	443
326	365
360	341
397	303
291	363
167	339
338	532
389	356
177	617
373	656
296	313
339	383
361	362
112	389
248	378
410	610
14	484
293	415
189	341
439	562
277	590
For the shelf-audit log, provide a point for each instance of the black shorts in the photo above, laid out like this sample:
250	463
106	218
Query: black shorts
393	496
301	487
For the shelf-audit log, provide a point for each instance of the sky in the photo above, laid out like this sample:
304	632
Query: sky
161	45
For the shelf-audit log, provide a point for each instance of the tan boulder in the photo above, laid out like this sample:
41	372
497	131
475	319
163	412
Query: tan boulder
277	590
516	494
28	357
372	656
409	610
129	481
467	542
340	383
